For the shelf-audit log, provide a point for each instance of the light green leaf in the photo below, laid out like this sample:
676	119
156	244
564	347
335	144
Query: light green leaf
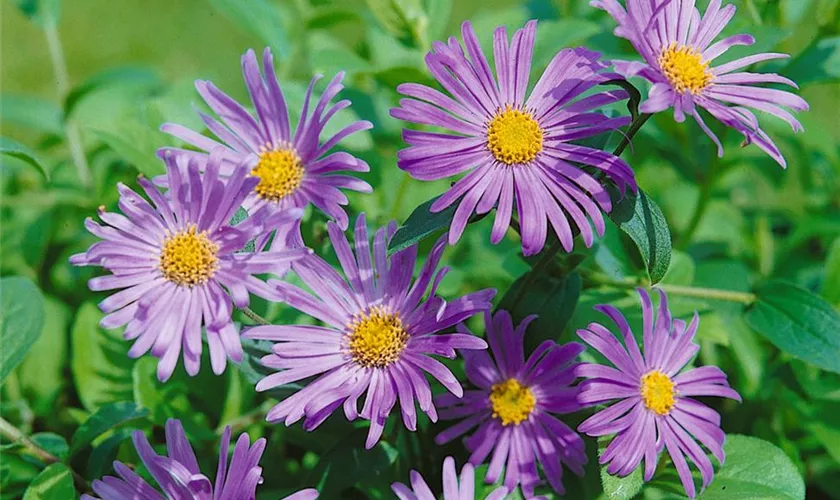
10	147
820	62
259	17
52	443
21	321
642	220
681	271
421	224
831	278
104	419
439	13
108	78
31	112
797	322
330	56
403	19
137	144
619	488
53	483
755	470
100	364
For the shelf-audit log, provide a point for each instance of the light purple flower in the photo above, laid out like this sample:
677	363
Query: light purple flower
454	487
293	166
378	336
676	45
513	407
178	265
178	475
656	408
514	148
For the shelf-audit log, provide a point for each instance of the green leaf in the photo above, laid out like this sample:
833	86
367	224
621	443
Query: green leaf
421	224
136	143
99	363
820	62
103	455
259	17
831	280
104	419
681	271
755	469
619	488
52	443
10	147
43	12
108	78
21	321
642	220
41	373
53	483
552	299
329	56
797	322
31	112
348	463
403	19
439	13
635	95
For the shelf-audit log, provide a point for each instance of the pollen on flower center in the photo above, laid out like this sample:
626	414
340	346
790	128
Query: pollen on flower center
188	257
280	171
377	337
512	402
685	69
514	136
658	392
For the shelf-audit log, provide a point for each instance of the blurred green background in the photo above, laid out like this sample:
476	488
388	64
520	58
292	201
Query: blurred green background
130	67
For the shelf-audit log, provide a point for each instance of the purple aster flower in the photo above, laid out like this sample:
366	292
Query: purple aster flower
676	45
178	474
655	409
178	265
292	166
454	487
513	405
378	336
515	148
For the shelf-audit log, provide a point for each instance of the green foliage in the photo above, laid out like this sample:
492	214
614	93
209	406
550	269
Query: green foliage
14	149
21	320
104	419
421	224
642	220
54	483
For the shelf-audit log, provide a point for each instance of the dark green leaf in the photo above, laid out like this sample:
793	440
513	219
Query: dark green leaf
10	147
100	364
635	95
797	322
103	455
420	225
348	463
259	17
108	78
53	483
52	443
104	419
820	62
21	321
755	469
642	220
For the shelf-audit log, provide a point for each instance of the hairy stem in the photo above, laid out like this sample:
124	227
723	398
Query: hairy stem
14	435
686	291
256	318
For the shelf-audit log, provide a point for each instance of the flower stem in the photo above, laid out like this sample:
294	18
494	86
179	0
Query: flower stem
686	291
254	316
14	435
62	80
635	126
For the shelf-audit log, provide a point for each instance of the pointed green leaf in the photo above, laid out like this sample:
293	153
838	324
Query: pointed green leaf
53	483
421	224
640	218
21	321
10	147
104	419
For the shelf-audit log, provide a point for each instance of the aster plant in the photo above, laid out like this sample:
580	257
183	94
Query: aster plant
293	166
455	487
178	263
514	148
513	407
378	336
653	406
178	476
678	49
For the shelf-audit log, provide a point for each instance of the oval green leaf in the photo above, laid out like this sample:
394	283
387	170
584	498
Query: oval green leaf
641	219
53	483
21	321
797	322
421	224
108	78
105	419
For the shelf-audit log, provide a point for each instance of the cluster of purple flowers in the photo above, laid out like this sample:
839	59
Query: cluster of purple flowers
181	265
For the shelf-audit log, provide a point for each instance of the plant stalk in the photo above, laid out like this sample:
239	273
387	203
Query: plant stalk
254	316
745	298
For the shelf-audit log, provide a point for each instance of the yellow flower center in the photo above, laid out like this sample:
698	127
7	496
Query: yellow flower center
377	337
658	392
512	402
188	257
685	69
514	136
280	172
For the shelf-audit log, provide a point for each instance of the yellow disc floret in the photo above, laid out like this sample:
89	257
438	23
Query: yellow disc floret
280	171
514	136
685	69
188	257
512	402
377	337
658	392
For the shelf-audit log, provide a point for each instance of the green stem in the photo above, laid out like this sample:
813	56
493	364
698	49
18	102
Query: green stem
631	131
540	266
700	208
256	318
686	291
62	80
14	435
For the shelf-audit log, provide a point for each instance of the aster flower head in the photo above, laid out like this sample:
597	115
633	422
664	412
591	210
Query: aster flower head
455	487
178	475
512	407
177	264
292	166
514	148
655	406
378	336
677	46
